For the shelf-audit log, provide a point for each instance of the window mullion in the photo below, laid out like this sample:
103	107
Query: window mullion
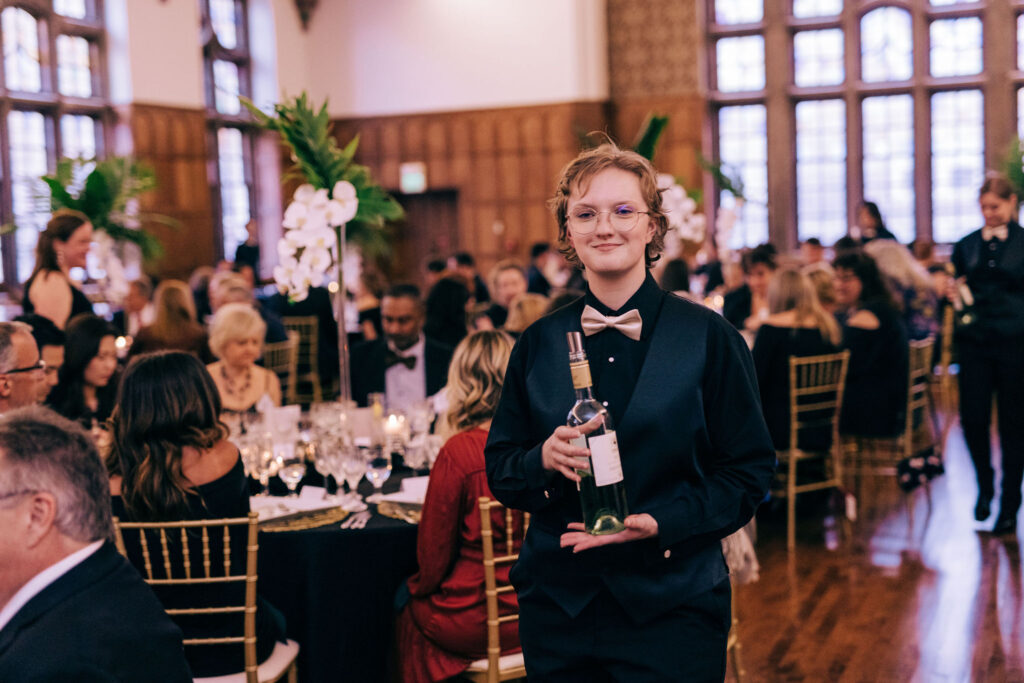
781	128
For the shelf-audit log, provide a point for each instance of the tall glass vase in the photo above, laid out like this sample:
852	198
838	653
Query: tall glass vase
340	300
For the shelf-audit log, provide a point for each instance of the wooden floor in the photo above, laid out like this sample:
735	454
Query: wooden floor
939	600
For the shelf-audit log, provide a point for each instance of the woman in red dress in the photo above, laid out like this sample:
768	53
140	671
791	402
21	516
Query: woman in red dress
443	627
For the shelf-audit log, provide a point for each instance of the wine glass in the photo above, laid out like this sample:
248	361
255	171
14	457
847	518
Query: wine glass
292	467
378	470
265	465
352	467
325	462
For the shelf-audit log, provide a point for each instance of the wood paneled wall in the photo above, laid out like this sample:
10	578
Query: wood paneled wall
681	141
174	142
502	163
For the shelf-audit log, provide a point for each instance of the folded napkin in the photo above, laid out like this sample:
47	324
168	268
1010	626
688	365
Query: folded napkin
272	507
414	490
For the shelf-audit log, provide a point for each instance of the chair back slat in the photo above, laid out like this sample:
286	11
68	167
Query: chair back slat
283	359
177	565
491	588
308	352
820	380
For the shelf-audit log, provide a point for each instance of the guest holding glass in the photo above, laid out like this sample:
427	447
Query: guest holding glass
797	326
236	338
170	460
87	382
175	327
649	602
442	628
874	403
63	245
990	261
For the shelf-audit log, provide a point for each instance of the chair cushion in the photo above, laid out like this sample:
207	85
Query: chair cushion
271	670
512	661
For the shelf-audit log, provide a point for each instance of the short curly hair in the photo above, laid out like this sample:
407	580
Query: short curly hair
580	171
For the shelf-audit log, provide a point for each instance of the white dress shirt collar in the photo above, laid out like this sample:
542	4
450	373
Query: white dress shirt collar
40	581
405	387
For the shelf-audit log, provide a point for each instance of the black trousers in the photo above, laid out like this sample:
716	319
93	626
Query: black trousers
994	368
604	644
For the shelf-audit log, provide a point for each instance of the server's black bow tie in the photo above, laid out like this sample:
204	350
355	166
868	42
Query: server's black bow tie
393	358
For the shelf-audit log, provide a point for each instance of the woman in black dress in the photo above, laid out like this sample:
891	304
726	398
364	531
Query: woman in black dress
87	382
64	245
169	460
874	404
797	326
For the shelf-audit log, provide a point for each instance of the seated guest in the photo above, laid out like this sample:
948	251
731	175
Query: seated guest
137	309
870	225
231	288
812	251
910	284
50	291
874	404
746	306
22	380
50	342
509	281
86	384
405	365
170	460
317	304
536	275
435	270
464	264
236	338
675	278
368	292
442	628
199	283
71	607
525	310
823	279
175	327
445	309
797	326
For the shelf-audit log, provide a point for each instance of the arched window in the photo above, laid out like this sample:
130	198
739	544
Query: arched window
53	104
228	76
818	104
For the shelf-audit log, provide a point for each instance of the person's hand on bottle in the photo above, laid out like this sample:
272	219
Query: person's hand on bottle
559	454
637	527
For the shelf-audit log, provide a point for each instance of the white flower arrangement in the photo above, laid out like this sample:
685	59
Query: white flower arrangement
112	281
681	210
308	248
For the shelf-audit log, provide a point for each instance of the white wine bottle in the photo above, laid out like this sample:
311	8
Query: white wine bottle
602	493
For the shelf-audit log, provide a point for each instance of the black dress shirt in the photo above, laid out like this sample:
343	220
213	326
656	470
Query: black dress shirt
615	359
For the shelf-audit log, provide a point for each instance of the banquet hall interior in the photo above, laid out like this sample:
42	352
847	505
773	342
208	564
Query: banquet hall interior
801	146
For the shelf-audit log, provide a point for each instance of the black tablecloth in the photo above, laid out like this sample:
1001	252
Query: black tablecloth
336	588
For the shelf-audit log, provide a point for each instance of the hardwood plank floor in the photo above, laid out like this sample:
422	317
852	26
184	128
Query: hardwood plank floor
939	600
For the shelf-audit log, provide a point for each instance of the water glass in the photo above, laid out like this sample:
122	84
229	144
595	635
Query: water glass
378	470
291	467
352	467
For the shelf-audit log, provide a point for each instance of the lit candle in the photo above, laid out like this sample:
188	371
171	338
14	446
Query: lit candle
393	427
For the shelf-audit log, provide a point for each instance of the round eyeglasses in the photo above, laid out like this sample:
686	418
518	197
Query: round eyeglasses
583	220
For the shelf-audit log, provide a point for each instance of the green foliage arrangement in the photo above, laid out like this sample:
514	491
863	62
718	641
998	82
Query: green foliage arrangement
1013	166
319	160
104	195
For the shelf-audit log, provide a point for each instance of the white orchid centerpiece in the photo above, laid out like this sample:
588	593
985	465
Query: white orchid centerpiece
308	248
681	210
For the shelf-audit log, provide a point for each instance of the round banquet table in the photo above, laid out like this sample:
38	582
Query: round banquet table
336	589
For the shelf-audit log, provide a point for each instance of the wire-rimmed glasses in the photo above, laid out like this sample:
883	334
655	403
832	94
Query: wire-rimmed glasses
584	219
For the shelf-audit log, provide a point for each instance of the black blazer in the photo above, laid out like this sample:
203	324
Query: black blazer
995	274
368	366
98	622
695	451
737	305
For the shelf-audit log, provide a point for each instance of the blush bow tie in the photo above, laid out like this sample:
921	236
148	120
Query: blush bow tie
629	323
1000	232
393	358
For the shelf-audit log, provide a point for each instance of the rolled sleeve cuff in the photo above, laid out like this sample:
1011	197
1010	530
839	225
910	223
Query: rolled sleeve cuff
540	480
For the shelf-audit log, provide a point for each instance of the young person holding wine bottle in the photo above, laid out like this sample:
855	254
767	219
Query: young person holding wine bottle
649	599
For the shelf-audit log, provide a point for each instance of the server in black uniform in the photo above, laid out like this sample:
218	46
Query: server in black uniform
991	348
650	602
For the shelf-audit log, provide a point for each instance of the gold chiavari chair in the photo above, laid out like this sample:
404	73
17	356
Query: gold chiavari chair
494	667
881	456
308	328
174	541
816	385
283	358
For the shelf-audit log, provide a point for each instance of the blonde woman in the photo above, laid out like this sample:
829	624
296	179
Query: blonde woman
823	279
797	325
442	627
525	310
236	338
175	327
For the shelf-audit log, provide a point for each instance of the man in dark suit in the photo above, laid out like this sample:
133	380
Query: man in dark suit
405	365
71	607
137	308
650	601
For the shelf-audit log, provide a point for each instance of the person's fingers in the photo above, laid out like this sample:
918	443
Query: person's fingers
577	526
568	472
591	425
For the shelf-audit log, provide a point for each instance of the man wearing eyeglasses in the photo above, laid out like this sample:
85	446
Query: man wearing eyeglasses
22	372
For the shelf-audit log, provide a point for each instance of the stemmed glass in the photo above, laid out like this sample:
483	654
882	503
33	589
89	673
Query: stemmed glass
378	470
326	464
264	462
352	467
292	463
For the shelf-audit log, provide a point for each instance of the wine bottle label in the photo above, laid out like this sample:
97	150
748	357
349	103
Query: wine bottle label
604	459
580	442
580	375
